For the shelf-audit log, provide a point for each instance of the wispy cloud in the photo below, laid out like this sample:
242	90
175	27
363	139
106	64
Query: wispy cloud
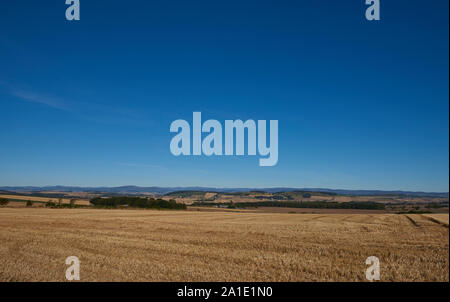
41	99
89	110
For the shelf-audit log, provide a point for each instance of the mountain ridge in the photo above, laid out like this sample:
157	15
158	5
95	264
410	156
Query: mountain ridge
164	190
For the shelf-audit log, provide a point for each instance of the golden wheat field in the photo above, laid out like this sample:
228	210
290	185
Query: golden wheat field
151	245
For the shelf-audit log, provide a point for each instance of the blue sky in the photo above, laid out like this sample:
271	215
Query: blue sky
361	105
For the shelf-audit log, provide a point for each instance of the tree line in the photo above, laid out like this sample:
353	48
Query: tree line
369	205
136	202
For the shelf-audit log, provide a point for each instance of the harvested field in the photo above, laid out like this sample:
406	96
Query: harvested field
441	219
150	245
287	210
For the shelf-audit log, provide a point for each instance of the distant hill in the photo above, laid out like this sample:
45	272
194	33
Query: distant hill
165	190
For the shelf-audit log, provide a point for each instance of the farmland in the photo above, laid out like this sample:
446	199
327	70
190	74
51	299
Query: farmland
256	201
37	200
153	245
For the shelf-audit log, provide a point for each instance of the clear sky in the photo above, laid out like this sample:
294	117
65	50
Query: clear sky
361	105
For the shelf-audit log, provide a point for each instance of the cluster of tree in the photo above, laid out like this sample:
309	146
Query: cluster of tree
137	202
49	195
273	197
51	204
34	194
414	211
3	201
308	204
436	205
187	193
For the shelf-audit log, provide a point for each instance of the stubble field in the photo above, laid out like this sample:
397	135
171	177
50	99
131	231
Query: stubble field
150	245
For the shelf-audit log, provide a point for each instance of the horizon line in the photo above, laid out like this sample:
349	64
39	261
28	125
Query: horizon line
225	188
